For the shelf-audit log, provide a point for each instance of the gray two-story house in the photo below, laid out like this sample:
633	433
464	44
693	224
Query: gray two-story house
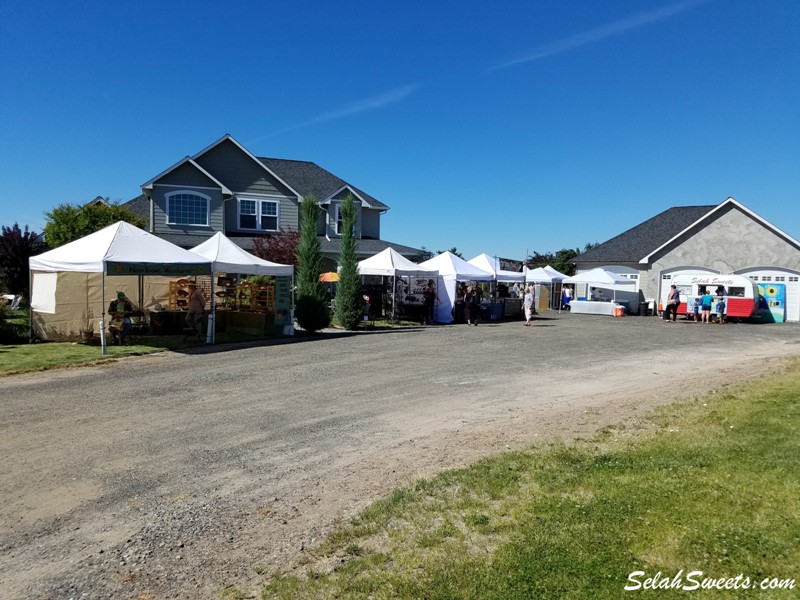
226	188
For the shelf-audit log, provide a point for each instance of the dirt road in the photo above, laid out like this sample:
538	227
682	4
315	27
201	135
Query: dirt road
174	475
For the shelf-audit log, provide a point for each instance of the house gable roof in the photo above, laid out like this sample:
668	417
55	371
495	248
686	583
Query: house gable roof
139	206
640	243
190	162
309	178
643	239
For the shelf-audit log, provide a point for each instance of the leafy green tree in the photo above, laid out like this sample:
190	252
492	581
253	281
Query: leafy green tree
69	222
452	250
16	247
311	308
349	300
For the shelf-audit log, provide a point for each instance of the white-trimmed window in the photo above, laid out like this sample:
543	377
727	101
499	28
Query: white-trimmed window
187	208
666	277
337	218
258	214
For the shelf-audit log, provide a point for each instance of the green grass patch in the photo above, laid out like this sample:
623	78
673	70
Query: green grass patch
710	485
19	358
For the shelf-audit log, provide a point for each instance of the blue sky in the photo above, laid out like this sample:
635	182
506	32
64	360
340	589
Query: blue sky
493	127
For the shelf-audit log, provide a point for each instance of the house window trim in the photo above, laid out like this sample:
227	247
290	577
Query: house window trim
168	196
259	200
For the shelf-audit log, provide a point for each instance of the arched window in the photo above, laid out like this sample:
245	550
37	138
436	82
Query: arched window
187	208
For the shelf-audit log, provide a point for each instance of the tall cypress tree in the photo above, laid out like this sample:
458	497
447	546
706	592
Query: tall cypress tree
311	309
348	292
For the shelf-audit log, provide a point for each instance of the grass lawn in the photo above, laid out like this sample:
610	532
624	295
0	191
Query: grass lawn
18	358
710	485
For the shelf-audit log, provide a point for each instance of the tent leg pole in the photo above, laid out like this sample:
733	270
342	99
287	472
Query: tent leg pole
103	344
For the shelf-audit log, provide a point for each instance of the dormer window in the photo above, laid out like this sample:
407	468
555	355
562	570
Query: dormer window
338	218
258	214
187	208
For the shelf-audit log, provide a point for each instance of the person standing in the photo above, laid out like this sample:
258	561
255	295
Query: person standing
430	301
705	306
197	305
673	301
527	304
566	297
720	309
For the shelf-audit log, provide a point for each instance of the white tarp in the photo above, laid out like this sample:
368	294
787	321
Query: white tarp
451	269
492	265
390	263
225	256
544	275
600	277
43	298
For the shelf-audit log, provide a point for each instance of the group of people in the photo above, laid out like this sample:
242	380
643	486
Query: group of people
121	311
702	306
470	297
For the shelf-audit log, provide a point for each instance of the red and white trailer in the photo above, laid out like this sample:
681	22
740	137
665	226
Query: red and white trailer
741	294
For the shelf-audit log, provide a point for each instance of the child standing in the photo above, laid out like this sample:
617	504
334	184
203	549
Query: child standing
720	309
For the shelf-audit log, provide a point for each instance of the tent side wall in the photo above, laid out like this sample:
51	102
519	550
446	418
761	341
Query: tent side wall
79	304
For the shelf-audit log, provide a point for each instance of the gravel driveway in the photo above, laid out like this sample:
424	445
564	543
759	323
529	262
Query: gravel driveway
174	475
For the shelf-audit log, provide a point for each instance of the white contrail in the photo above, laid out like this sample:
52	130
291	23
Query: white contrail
630	23
359	106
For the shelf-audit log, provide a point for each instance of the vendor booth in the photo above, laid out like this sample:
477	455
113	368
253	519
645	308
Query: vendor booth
495	307
602	293
68	284
246	307
549	278
452	269
390	263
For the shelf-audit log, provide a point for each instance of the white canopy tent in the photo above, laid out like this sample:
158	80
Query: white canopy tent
117	250
227	257
545	275
451	268
601	278
492	265
390	263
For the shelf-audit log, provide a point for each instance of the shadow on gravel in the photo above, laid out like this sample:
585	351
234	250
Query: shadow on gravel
298	338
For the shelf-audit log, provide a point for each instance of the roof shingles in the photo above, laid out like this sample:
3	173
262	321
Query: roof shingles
640	241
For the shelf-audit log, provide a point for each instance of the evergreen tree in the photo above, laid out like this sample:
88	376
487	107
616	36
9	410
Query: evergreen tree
348	293
311	308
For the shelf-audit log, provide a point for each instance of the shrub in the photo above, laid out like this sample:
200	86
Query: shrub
312	313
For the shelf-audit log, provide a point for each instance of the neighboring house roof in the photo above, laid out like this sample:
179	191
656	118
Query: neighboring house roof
640	241
309	178
98	200
140	206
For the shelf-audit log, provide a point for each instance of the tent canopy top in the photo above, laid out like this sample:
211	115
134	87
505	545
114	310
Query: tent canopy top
228	257
121	249
491	265
391	263
451	266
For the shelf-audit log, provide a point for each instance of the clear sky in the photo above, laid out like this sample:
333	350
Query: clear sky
497	127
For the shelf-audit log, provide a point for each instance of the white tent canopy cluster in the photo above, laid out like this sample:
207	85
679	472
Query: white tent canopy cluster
121	250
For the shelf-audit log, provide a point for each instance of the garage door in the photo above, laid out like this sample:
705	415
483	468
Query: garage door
780	276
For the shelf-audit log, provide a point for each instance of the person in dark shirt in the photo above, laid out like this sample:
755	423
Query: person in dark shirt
120	311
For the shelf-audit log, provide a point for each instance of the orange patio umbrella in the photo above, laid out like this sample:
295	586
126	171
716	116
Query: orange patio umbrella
329	277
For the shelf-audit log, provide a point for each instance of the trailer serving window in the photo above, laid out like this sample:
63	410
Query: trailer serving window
736	291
